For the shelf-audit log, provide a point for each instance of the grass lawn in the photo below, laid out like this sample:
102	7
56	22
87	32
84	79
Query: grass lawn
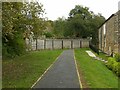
94	72
23	71
102	55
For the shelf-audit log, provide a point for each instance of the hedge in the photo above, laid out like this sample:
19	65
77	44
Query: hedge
117	57
113	65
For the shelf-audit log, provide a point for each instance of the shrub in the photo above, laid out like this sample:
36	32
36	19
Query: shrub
117	57
118	72
15	46
110	63
48	34
113	65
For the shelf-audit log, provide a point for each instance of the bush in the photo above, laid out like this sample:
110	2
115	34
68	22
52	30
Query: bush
110	63
113	65
14	46
48	34
118	72
117	57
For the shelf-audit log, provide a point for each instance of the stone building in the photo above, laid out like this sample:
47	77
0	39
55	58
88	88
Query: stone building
109	34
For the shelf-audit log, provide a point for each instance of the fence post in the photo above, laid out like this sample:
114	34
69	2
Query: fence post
44	43
36	43
62	43
52	44
71	44
80	43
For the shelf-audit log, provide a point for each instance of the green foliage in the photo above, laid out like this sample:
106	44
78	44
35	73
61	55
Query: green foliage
34	12
48	34
18	21
59	27
81	23
113	65
85	23
117	57
118	73
12	30
14	46
110	63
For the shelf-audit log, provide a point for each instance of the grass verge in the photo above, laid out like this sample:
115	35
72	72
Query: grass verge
23	71
102	55
94	72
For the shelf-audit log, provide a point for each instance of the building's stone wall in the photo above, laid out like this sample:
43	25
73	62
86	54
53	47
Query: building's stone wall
100	38
119	31
109	35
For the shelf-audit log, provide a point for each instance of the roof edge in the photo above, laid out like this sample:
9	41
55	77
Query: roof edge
106	20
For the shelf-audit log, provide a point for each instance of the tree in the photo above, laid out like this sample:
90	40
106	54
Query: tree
83	12
48	32
81	23
85	23
59	27
12	29
77	26
18	21
94	23
34	11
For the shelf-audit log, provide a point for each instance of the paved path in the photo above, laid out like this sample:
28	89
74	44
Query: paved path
62	74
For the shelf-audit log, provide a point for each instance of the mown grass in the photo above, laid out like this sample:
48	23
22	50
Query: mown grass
102	55
23	71
94	72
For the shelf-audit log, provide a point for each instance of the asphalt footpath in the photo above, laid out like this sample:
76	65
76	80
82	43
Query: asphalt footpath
62	74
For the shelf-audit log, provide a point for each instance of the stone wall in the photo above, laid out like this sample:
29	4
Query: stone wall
57	43
109	35
101	38
109	48
119	31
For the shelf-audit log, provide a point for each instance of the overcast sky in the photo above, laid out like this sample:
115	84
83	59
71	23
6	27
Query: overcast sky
59	8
